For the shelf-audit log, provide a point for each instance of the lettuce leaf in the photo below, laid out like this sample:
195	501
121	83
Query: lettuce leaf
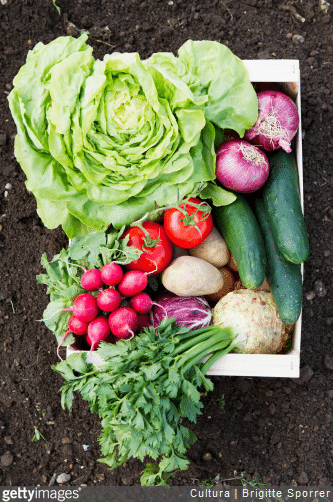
104	141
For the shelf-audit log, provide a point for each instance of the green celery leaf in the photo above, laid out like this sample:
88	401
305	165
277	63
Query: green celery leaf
77	362
190	408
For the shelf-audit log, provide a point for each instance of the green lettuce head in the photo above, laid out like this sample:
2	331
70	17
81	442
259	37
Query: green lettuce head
103	142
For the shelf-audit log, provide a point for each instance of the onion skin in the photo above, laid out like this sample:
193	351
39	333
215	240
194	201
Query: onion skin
240	166
277	123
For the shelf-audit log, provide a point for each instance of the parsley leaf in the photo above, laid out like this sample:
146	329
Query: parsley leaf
141	392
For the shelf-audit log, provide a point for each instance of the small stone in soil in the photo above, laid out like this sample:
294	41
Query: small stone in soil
298	39
7	459
328	362
310	295
207	457
303	478
320	289
53	479
63	478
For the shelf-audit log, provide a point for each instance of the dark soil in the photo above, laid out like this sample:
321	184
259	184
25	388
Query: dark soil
277	429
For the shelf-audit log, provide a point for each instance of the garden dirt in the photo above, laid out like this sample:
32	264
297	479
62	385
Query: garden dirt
274	430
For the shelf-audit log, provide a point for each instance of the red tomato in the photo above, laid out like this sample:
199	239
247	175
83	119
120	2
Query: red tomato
156	246
190	227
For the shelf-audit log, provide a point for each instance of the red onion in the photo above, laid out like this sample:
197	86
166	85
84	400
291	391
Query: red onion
240	166
277	122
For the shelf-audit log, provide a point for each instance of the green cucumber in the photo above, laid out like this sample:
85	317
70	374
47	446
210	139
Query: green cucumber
283	204
241	231
284	278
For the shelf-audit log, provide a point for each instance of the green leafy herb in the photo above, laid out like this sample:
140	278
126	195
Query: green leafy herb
143	390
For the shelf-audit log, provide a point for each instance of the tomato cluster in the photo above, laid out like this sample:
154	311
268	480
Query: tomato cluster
186	226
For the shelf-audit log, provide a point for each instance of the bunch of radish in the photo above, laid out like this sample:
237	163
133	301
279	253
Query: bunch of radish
104	318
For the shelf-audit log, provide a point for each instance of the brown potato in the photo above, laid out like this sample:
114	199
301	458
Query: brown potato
214	249
190	276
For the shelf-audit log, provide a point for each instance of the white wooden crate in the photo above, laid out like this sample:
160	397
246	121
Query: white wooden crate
281	71
284	72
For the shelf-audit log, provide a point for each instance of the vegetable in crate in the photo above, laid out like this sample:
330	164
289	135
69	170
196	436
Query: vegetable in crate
282	202
228	285
103	141
213	249
192	312
63	280
189	224
155	246
277	123
283	277
240	166
242	233
255	320
191	276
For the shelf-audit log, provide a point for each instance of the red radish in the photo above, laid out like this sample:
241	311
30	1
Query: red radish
133	283
75	326
98	331
109	299
91	280
240	166
277	122
123	322
141	303
111	274
84	307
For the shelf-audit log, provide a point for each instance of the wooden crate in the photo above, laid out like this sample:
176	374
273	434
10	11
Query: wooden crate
286	74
